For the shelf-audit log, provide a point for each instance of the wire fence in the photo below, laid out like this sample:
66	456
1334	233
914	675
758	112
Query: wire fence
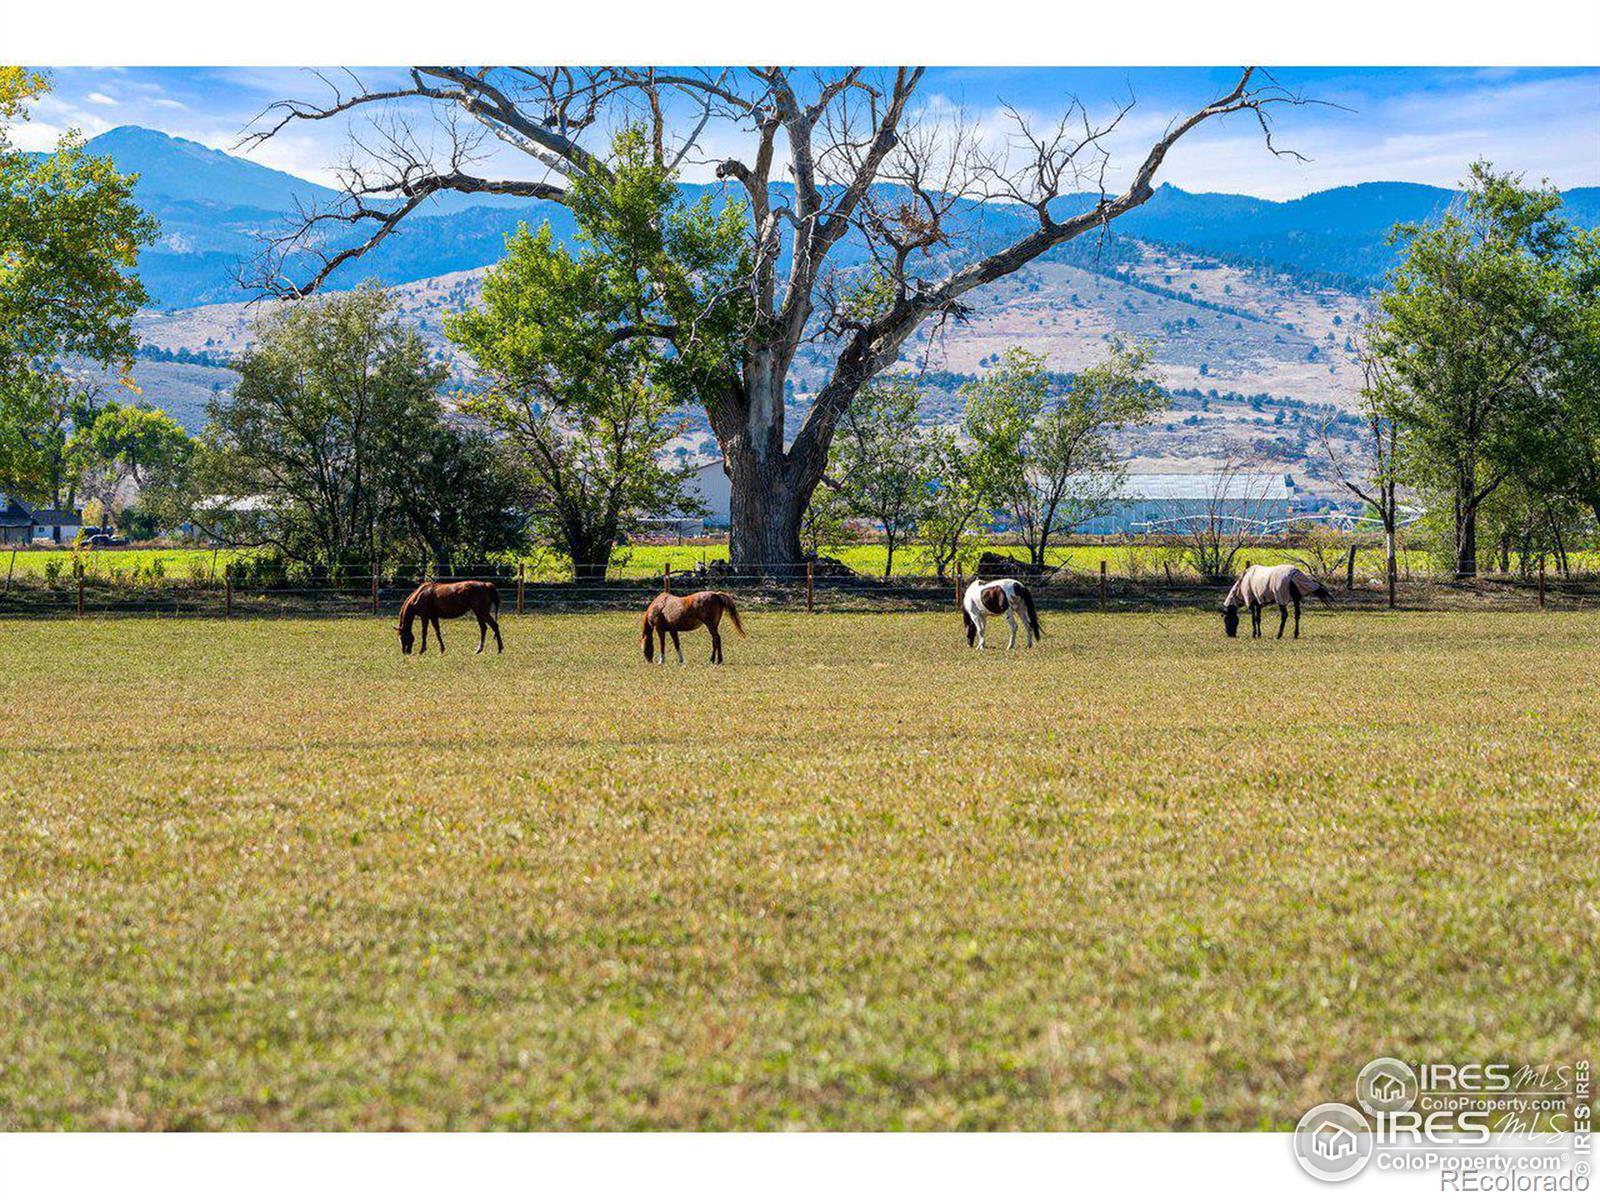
813	586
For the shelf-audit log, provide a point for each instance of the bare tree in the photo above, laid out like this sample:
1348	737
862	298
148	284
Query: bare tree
1234	510
1374	477
862	161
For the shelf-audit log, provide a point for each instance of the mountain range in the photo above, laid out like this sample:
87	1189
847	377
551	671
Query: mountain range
1251	306
214	209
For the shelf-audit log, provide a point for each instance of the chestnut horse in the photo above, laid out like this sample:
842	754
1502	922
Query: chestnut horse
679	614
434	600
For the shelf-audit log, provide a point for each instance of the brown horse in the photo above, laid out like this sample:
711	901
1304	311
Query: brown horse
679	614
434	600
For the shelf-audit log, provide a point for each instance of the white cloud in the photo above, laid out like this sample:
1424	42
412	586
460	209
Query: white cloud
169	102
101	98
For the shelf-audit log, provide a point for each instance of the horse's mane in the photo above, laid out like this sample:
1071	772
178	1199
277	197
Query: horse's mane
408	610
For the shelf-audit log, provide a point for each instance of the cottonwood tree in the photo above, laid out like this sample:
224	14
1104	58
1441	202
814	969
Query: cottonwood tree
832	158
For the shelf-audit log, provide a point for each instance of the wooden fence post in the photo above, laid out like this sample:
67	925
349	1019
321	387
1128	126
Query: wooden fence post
811	586
666	576
1167	567
227	590
960	592
522	580
1102	584
80	590
1350	571
374	589
11	568
1541	585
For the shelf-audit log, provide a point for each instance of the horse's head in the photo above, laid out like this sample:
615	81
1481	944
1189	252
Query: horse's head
1230	619
407	615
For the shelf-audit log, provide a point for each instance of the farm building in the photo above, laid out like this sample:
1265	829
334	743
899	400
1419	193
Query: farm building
1147	501
1144	499
710	484
21	524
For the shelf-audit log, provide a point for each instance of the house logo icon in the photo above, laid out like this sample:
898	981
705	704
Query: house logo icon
1386	1085
1333	1142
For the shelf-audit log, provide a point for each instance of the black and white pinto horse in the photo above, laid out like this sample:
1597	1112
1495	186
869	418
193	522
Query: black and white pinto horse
999	598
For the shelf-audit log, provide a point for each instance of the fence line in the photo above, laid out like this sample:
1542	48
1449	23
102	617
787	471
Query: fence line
803	587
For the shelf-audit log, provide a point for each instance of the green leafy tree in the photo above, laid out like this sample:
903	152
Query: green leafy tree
452	495
1565	455
1469	332
70	235
334	397
40	412
1048	458
827	521
950	525
131	448
883	463
588	403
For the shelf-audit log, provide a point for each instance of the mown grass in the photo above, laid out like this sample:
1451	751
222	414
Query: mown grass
268	875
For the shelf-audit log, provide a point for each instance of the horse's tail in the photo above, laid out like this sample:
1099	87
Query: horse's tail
732	610
649	650
1027	603
494	599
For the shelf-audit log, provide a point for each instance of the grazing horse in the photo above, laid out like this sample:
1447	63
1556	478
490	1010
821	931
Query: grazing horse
1282	585
999	598
679	614
434	600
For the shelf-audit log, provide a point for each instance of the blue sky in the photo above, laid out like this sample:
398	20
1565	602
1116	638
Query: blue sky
1417	124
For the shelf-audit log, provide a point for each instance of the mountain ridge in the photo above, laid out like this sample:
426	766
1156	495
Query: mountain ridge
214	208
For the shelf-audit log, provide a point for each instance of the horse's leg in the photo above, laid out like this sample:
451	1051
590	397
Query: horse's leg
1297	616
483	631
1011	620
499	646
438	634
982	623
1283	619
677	647
716	644
661	636
424	649
1255	620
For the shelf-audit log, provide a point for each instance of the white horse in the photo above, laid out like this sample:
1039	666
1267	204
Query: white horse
999	598
1259	586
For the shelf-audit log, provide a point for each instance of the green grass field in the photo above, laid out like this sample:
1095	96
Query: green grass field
273	875
183	565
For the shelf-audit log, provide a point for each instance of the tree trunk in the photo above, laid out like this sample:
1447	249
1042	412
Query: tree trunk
767	504
1391	568
1467	542
590	551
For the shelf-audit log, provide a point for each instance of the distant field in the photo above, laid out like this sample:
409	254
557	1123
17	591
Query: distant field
867	558
274	875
